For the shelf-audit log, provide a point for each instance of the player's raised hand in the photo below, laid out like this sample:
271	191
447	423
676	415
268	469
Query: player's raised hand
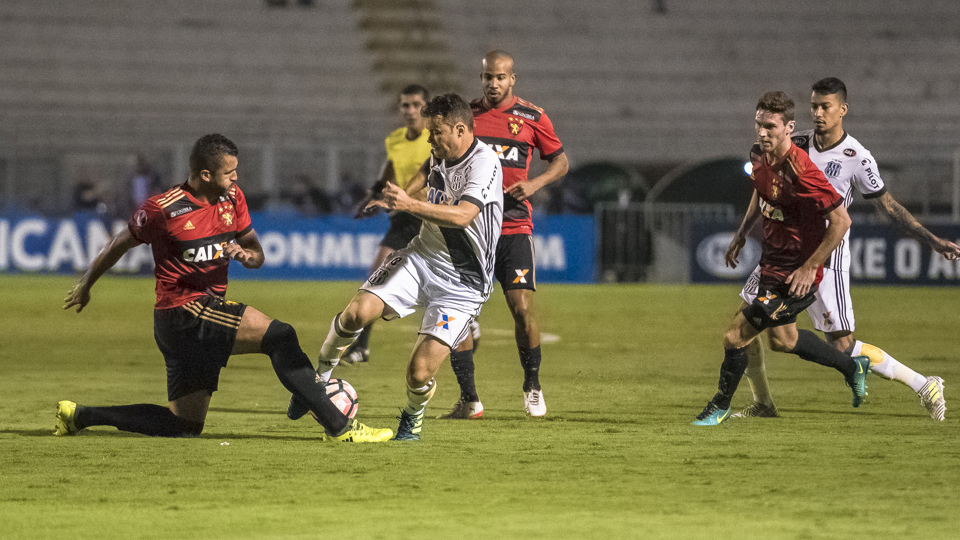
733	251
77	296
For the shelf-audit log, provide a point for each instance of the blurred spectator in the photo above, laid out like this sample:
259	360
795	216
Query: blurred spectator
349	196
304	197
144	183
87	197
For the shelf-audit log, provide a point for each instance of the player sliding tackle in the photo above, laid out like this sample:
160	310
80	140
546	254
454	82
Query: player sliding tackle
447	269
195	230
794	199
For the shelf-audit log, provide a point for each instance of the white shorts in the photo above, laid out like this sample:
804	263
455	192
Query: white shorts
405	282
832	311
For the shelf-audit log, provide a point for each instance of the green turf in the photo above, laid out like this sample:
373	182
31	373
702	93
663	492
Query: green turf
616	457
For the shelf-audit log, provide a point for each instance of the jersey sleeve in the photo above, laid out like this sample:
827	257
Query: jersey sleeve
148	224
866	177
484	181
244	225
546	140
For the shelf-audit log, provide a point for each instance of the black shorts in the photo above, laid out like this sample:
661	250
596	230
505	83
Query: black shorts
403	228
515	266
196	340
775	307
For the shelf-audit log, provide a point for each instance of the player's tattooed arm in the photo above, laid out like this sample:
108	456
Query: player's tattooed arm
246	251
902	217
79	294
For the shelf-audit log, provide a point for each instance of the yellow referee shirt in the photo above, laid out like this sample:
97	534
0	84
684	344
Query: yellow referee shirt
407	156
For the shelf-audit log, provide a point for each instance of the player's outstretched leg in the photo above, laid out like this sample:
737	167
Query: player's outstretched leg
731	371
336	341
928	389
358	352
854	370
411	416
143	418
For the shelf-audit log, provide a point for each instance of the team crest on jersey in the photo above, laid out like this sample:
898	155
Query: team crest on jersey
226	216
515	125
456	184
833	169
849	152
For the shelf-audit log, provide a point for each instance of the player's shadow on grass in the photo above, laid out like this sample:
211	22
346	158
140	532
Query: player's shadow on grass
106	432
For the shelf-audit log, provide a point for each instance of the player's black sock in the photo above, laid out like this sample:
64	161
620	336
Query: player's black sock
530	360
813	349
144	418
731	371
298	375
463	367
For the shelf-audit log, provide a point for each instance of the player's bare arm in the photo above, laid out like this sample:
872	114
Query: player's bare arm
459	216
79	294
246	250
557	168
802	278
746	225
902	217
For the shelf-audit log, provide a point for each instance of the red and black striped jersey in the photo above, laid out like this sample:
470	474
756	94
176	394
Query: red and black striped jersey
188	236
513	131
795	198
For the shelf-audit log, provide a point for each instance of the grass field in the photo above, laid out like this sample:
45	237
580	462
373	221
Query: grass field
625	371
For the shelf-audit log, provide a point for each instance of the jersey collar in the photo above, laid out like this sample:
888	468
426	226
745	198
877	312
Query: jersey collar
832	146
460	159
513	101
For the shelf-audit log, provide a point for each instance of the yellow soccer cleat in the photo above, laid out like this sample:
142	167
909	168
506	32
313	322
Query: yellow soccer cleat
360	433
66	415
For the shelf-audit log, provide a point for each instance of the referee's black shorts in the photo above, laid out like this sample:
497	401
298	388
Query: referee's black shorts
196	340
403	228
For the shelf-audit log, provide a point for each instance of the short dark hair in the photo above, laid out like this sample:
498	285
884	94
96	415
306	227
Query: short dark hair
451	107
831	85
208	152
414	89
779	103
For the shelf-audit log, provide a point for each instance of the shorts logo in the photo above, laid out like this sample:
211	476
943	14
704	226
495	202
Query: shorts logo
776	313
521	275
826	318
766	299
445	321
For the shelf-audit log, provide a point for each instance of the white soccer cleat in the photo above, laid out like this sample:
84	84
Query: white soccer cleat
534	404
931	397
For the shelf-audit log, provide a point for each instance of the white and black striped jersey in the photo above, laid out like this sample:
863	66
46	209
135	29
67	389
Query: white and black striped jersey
465	255
848	167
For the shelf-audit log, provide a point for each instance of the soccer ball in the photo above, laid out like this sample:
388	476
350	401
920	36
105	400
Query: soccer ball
342	394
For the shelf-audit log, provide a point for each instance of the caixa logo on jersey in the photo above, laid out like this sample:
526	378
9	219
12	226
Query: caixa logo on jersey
208	252
712	251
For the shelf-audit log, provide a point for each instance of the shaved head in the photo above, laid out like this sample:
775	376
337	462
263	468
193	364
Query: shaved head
497	78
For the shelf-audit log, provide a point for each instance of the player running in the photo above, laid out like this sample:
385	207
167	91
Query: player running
514	128
407	150
194	230
796	203
447	269
848	166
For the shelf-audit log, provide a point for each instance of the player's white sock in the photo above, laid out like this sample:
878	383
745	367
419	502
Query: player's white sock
756	374
887	366
417	398
337	340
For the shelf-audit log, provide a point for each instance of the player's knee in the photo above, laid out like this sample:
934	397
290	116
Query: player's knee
782	343
188	429
418	376
278	335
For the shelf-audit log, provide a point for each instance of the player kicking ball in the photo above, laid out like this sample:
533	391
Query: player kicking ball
796	202
447	269
195	229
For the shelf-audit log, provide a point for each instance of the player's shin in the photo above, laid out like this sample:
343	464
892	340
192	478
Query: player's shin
463	368
295	371
417	398
530	360
813	349
731	371
756	374
887	366
143	418
337	340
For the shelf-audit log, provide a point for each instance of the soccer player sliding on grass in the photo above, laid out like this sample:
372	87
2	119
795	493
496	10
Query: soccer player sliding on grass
195	229
796	203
